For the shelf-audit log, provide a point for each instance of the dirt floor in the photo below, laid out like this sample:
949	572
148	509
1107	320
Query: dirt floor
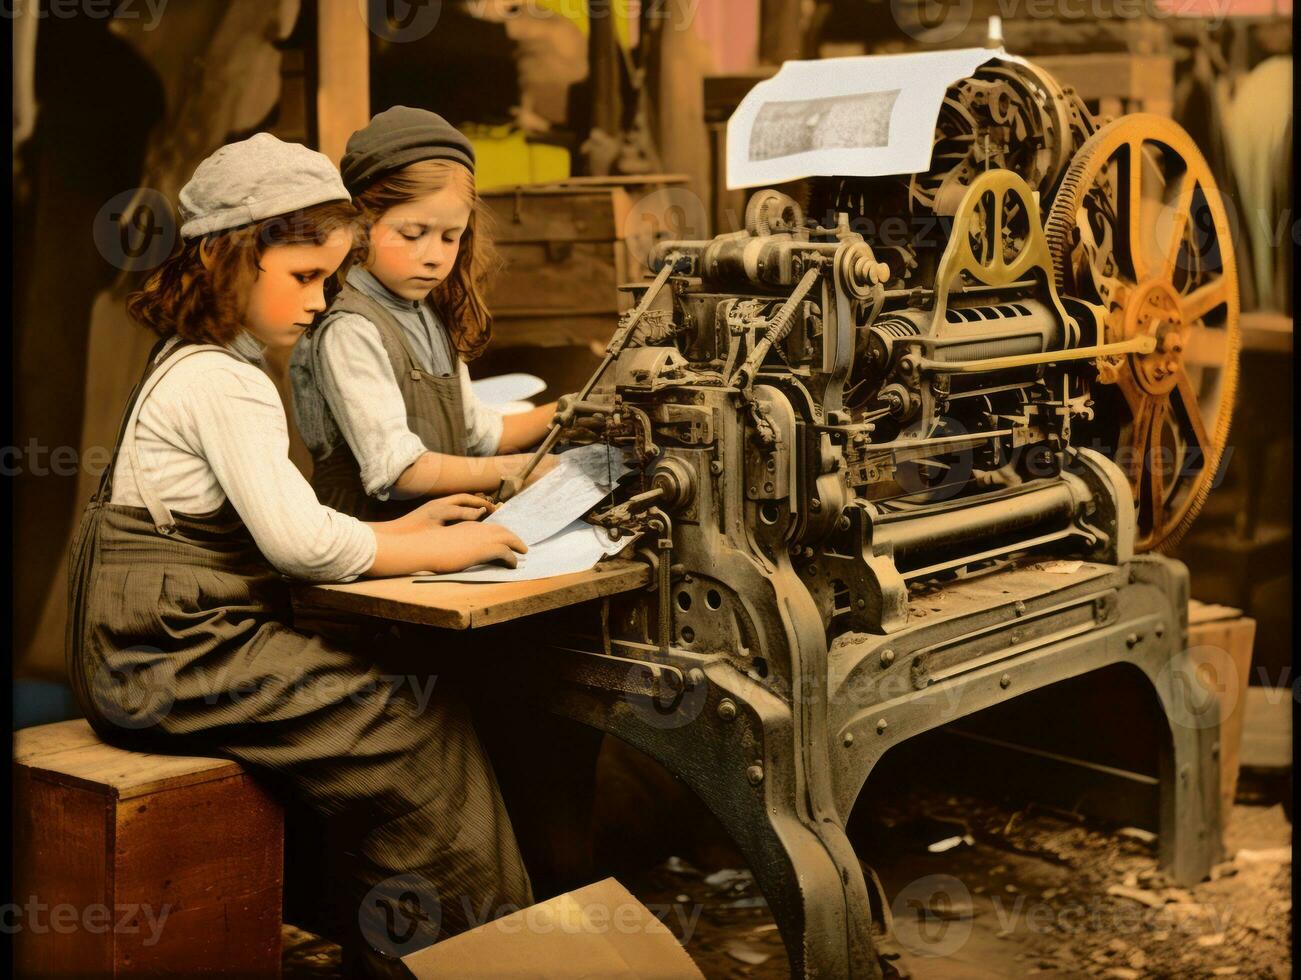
1034	892
979	890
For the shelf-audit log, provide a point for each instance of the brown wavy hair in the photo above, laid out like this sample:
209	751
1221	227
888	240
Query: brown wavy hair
459	299
205	301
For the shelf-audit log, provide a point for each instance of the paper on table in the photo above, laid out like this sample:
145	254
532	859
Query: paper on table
575	549
845	117
577	483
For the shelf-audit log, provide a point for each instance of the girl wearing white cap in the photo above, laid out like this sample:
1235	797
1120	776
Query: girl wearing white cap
180	635
381	390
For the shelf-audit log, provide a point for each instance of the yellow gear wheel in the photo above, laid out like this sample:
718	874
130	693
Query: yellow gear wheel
1139	226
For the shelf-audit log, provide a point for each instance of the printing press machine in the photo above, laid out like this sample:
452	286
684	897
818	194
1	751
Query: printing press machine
905	447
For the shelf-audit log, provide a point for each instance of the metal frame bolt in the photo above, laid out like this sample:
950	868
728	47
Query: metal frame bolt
848	740
1005	681
1019	608
755	775
887	658
881	725
727	709
1132	640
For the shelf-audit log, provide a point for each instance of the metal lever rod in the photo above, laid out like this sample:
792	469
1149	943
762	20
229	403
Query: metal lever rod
1136	345
777	330
618	342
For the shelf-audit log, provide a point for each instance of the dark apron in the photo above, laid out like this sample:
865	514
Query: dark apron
435	413
177	643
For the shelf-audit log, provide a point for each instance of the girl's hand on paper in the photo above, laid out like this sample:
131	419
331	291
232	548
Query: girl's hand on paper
443	536
447	510
460	546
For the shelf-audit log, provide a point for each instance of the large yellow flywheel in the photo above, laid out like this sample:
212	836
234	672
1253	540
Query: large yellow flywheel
1139	226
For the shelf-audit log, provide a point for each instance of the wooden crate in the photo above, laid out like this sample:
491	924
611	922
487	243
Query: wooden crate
567	248
1224	629
136	864
1114	83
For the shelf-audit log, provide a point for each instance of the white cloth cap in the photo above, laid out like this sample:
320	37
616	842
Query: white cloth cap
256	178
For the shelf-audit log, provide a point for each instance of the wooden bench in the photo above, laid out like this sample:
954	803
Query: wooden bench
133	863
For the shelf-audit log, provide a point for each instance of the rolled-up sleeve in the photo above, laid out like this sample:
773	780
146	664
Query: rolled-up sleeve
357	381
482	422
239	421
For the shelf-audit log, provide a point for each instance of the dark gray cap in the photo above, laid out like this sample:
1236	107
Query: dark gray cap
398	137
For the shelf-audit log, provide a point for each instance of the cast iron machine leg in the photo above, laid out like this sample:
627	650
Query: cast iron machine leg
757	758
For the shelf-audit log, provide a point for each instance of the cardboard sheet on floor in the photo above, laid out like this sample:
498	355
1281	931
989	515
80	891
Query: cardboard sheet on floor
599	932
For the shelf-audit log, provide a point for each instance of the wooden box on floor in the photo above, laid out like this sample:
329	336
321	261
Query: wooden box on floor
135	864
1224	639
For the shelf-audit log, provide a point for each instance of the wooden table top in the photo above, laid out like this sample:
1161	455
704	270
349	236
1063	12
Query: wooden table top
467	605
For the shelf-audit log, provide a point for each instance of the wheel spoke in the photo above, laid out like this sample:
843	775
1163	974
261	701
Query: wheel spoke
1206	346
1206	297
1154	463
1133	205
1179	219
1193	409
1142	408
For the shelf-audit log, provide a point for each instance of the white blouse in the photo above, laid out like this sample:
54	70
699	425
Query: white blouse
213	429
354	396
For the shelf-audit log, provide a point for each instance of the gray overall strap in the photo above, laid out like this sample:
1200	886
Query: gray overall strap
434	405
158	511
352	300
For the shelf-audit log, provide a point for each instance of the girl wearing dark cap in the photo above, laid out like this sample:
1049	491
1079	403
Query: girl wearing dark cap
180	637
381	392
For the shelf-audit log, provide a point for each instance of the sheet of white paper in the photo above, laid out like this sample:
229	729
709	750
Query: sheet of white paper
845	117
574	549
577	483
514	408
503	388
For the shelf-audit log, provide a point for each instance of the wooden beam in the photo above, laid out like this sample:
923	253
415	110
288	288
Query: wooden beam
343	74
779	31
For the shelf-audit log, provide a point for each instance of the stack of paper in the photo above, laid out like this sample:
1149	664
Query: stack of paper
546	517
